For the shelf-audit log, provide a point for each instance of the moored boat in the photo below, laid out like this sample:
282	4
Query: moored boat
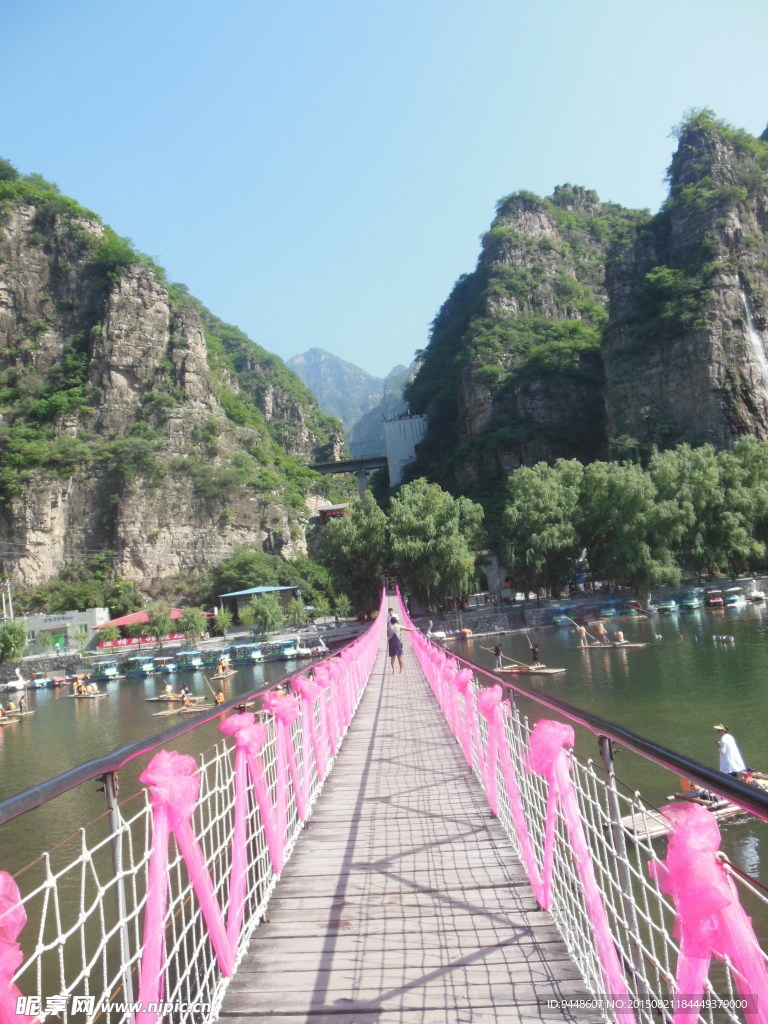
164	665
189	661
281	650
667	606
247	654
44	680
692	599
714	599
564	615
139	665
734	596
214	655
609	609
621	644
104	671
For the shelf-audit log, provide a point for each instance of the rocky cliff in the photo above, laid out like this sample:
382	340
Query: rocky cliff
685	347
131	419
588	330
513	373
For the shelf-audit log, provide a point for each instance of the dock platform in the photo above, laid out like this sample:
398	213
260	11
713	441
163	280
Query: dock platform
403	901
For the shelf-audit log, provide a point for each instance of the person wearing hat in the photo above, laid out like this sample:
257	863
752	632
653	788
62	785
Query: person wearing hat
731	761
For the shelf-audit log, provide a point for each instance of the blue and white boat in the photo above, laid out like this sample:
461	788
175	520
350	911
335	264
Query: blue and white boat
692	599
189	661
139	665
247	654
564	616
104	671
164	665
734	596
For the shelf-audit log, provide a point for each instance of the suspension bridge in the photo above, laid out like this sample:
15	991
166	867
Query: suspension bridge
370	846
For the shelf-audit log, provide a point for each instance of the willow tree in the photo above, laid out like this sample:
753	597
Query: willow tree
628	528
433	540
267	613
13	640
354	550
720	498
540	542
192	622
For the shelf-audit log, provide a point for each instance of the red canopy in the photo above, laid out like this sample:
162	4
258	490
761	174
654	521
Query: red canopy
142	616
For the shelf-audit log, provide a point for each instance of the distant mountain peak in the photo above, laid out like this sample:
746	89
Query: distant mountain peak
342	389
361	401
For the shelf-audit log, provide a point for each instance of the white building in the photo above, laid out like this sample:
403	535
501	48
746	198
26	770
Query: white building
400	439
63	629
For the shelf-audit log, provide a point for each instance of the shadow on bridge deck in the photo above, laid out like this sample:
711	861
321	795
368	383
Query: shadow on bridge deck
403	900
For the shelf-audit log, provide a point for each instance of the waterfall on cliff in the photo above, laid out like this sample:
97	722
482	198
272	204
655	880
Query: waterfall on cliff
758	349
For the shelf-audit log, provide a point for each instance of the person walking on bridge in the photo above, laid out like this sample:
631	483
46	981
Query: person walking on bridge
394	641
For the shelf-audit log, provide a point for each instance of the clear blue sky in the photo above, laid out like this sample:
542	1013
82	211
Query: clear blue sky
319	173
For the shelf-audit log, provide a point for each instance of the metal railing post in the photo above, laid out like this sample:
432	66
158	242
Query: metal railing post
115	828
619	842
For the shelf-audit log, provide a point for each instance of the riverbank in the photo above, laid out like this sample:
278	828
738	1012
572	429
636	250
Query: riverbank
68	663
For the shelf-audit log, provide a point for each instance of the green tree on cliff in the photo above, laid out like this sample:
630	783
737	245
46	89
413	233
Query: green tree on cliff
267	613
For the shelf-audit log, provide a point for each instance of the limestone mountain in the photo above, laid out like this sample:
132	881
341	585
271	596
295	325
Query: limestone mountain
131	418
342	389
588	330
360	400
685	347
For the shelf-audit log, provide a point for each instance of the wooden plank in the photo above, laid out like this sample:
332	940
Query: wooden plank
403	900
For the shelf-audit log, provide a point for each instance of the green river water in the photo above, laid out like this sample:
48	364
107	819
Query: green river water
672	692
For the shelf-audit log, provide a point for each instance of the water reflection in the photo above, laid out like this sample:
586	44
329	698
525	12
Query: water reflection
744	851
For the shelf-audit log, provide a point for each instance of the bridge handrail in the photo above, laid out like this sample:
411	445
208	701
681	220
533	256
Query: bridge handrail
128	879
750	799
753	800
261	789
643	931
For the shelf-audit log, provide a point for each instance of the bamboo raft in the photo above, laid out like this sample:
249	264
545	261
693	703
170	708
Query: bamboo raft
648	823
226	675
529	670
166	698
607	647
195	709
88	696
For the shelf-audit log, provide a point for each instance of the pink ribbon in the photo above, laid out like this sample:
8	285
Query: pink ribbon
174	786
489	706
462	681
309	692
710	919
285	709
548	756
13	917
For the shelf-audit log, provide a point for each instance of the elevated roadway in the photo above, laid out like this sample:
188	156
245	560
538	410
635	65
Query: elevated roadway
360	466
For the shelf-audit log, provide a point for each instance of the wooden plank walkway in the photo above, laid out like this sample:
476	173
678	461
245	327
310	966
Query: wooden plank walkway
403	901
